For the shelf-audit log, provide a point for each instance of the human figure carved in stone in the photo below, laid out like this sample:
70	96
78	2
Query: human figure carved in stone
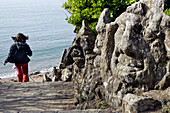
139	55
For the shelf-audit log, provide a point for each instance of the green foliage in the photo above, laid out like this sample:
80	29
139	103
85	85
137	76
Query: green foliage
165	110
167	11
168	103
102	105
167	7
90	10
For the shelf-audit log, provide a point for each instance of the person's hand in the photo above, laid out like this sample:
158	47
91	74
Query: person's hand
4	63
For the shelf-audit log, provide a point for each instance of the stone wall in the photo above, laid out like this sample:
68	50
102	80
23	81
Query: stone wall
129	55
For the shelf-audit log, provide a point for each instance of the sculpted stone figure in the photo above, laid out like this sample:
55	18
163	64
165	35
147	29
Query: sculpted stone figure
83	44
140	51
86	38
129	55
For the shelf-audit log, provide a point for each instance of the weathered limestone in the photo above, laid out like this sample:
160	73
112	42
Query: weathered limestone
46	78
55	75
62	62
83	44
101	29
139	55
85	38
129	55
66	75
161	95
165	82
108	47
139	104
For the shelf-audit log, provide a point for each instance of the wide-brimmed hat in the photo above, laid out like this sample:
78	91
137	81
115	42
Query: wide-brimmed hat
20	36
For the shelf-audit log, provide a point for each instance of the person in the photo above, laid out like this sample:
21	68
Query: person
18	54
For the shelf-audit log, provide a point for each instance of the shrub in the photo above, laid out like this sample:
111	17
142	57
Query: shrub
90	10
167	7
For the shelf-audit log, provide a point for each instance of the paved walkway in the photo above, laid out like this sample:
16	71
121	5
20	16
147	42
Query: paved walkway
20	97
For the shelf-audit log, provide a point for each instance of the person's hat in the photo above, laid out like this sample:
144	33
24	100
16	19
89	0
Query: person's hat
20	36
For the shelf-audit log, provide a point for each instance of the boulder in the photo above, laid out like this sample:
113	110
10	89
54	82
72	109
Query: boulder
66	75
139	104
46	78
56	74
62	62
107	50
161	95
63	55
54	79
166	23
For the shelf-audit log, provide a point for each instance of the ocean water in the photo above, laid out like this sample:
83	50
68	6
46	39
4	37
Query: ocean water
44	22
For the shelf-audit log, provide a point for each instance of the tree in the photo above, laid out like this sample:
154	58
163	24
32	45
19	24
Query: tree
90	10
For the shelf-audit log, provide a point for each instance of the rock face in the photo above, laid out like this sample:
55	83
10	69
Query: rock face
129	55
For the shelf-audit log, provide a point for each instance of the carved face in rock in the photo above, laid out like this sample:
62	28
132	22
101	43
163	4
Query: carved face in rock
139	54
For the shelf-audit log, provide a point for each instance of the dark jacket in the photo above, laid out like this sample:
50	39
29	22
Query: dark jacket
19	53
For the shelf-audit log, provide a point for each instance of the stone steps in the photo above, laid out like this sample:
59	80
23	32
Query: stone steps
72	111
39	97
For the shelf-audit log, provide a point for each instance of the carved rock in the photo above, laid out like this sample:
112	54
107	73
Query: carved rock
101	29
85	38
131	55
139	53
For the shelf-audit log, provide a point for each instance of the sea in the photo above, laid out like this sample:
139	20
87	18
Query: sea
44	22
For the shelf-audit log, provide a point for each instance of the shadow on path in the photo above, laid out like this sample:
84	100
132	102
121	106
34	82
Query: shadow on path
18	97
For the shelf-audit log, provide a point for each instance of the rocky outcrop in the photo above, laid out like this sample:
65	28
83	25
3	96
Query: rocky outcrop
139	104
129	55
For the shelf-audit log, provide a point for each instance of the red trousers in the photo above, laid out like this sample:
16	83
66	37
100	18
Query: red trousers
22	72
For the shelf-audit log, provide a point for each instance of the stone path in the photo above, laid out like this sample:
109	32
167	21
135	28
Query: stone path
20	97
